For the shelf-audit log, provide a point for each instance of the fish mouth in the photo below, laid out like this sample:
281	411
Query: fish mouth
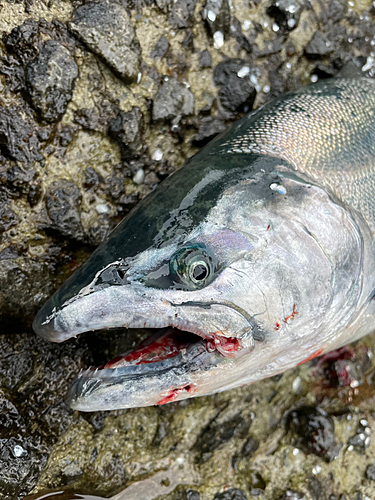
158	371
188	339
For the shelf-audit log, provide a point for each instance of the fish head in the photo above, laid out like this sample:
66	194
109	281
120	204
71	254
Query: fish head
229	267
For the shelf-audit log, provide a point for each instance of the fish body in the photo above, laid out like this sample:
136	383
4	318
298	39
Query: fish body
255	256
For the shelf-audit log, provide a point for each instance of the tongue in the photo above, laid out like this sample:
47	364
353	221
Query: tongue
155	348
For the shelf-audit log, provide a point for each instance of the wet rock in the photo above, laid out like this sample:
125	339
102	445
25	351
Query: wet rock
126	129
286	13
209	128
173	100
8	218
370	472
22	41
181	15
336	10
106	28
315	431
18	141
96	118
92	178
21	178
25	283
205	59
216	15
243	41
361	440
231	494
217	433
160	48
32	412
319	45
237	93
50	80
62	200
270	47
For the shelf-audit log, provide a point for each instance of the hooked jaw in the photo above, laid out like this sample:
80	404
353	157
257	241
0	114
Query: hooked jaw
172	365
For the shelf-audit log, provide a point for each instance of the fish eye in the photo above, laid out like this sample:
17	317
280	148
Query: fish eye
193	266
199	271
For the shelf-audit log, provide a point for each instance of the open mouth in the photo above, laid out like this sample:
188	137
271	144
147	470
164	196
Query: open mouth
169	342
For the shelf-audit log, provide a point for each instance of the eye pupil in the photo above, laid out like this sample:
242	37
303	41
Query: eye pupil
200	272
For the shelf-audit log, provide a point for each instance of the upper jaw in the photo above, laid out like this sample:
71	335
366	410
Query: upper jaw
137	307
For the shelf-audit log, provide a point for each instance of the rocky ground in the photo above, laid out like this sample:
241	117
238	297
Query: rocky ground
99	102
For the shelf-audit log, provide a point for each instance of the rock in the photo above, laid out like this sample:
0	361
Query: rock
336	10
216	434
62	200
243	41
92	178
23	40
126	129
236	93
20	178
160	48
106	28
319	45
181	15
172	100
205	59
18	141
96	118
370	472
209	128
270	47
361	440
286	12
216	14
315	431
231	494
50	80
8	218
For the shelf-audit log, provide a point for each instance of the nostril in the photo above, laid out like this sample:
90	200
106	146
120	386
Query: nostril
121	274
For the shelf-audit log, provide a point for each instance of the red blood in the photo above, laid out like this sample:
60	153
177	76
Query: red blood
172	395
268	227
338	354
312	356
291	316
154	349
277	326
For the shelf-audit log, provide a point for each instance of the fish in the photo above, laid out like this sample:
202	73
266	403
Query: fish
254	257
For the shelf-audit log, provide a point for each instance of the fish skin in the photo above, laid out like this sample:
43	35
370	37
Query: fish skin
280	211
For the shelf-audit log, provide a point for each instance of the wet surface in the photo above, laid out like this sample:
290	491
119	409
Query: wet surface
99	102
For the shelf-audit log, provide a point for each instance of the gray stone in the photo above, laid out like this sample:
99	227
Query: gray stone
17	139
370	472
216	15
50	80
236	93
126	130
62	200
172	100
8	218
286	12
181	15
107	30
209	128
319	45
160	48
